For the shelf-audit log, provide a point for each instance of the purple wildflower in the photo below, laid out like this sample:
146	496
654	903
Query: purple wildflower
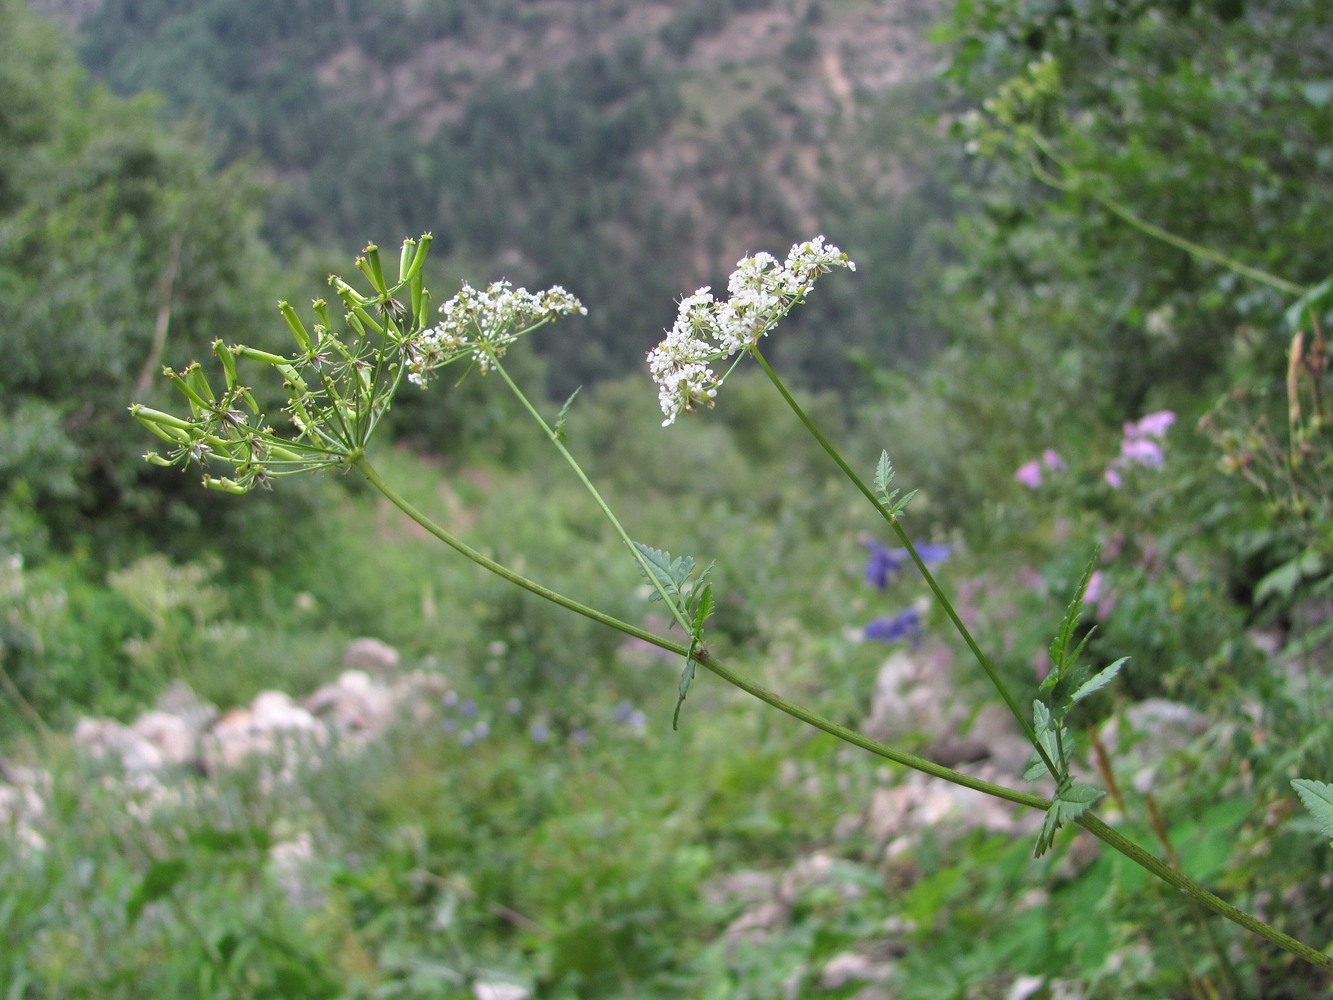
931	554
539	732
1094	588
1153	425
1099	596
622	711
885	562
1140	445
904	625
1053	460
1029	474
1141	451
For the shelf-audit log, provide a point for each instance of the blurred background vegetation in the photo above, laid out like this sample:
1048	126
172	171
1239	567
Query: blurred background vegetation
169	170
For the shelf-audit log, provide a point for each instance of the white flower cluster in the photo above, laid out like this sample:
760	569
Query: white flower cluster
706	329
482	324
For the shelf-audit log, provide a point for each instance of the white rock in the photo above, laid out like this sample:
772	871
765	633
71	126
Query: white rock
756	924
174	739
500	991
819	869
846	967
746	887
355	705
370	655
273	722
107	738
180	700
275	712
22	809
1148	731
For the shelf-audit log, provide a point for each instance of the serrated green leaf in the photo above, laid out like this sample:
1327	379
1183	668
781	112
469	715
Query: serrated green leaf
1049	733
1041	716
1317	797
698	586
883	473
703	611
1098	681
668	573
1071	802
685	678
564	412
159	880
1059	649
898	507
1036	768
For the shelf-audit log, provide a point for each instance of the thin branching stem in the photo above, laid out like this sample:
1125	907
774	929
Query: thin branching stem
1156	866
702	657
677	613
1044	147
1088	821
894	523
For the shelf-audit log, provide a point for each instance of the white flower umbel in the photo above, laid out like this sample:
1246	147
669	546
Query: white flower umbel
482	324
707	330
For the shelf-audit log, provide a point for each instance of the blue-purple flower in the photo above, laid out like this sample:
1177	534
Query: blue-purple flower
895	628
885	562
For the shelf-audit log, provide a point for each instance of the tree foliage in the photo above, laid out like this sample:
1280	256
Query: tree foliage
116	241
1080	127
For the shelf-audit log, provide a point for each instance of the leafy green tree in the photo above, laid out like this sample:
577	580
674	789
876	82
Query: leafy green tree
117	245
1144	191
1211	120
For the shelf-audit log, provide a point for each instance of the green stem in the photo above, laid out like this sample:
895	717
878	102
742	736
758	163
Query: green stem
906	541
1151	863
1147	228
554	438
702	657
705	659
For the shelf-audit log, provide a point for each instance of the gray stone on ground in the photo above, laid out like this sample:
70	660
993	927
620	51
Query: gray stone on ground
372	656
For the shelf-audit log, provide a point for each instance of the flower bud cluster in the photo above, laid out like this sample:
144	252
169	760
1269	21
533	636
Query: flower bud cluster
482	325
707	329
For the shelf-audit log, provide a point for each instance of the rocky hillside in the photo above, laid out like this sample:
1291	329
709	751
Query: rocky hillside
629	151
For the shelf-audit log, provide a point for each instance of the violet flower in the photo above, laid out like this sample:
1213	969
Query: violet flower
885	562
1029	474
1153	425
1141	451
904	625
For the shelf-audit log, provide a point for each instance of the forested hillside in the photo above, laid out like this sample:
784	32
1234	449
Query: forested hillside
625	150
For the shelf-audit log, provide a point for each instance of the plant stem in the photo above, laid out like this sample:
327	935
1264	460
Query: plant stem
926	575
1147	228
1155	866
554	438
702	656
